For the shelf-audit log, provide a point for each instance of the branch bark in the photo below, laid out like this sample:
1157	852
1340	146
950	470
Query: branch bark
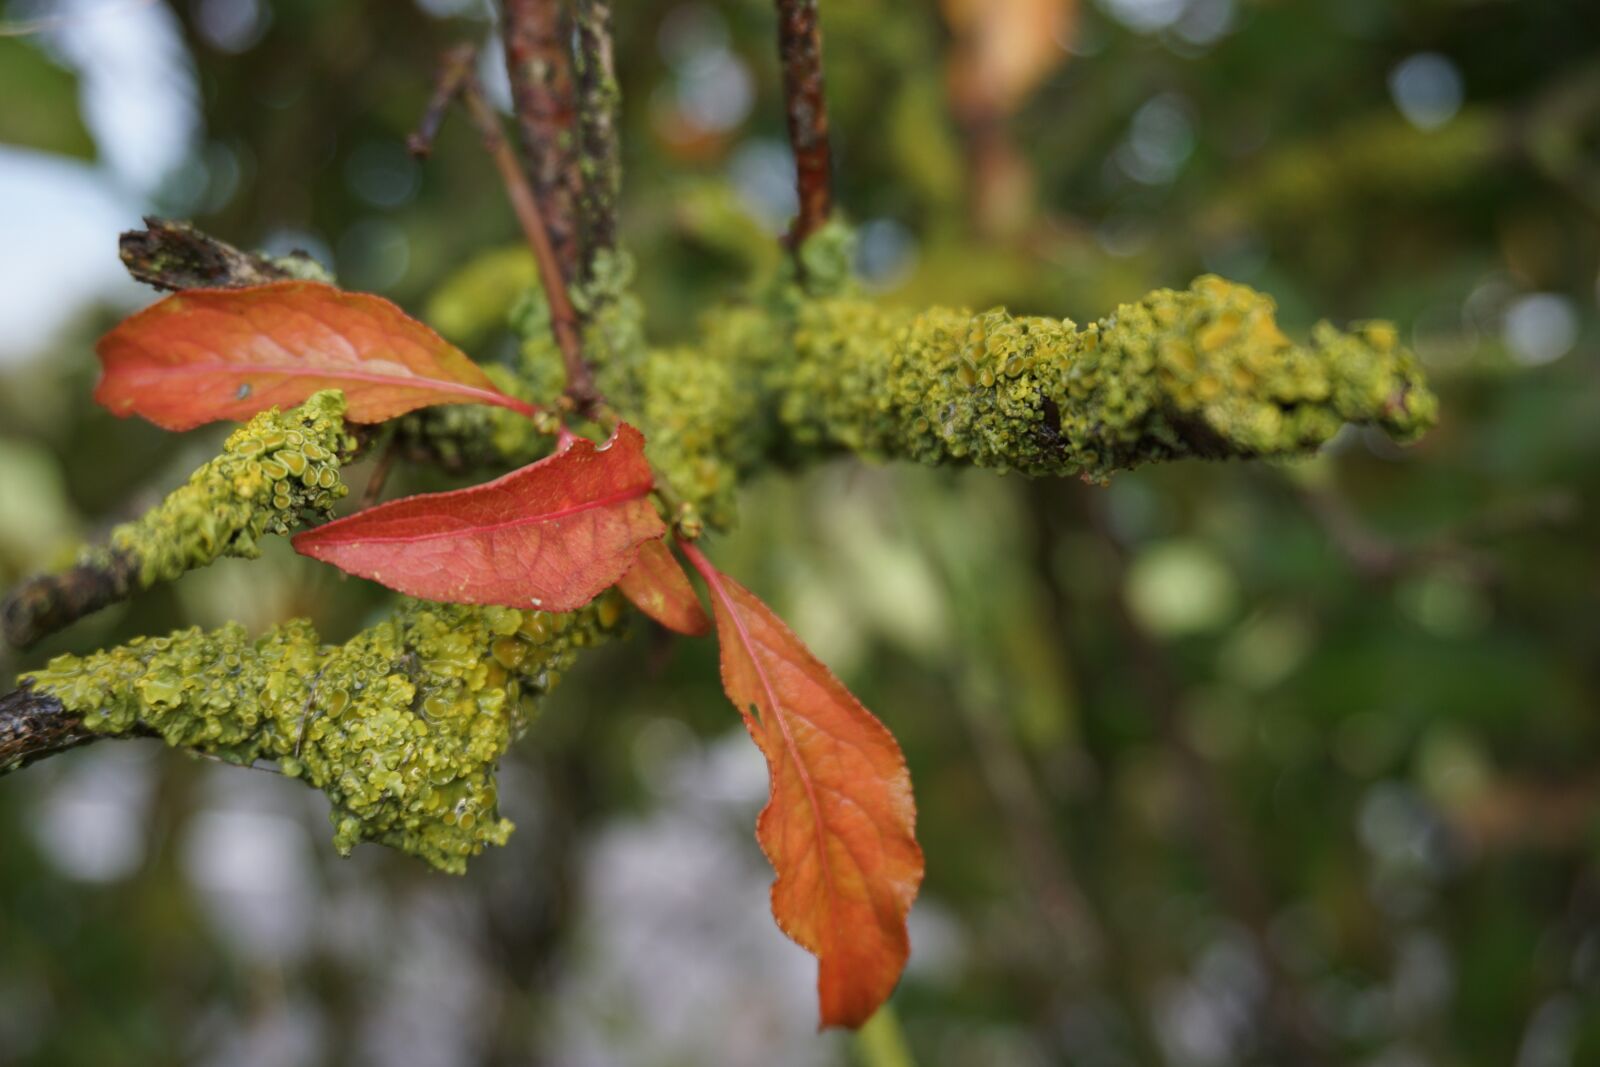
599	99
46	603
542	94
174	255
34	725
800	50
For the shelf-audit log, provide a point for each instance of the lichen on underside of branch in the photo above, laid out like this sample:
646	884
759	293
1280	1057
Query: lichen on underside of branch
401	726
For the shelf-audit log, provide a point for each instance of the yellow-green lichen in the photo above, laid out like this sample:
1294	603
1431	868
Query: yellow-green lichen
401	726
278	471
1201	372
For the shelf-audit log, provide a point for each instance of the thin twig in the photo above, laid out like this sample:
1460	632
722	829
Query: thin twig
454	68
542	95
800	50
582	393
380	473
563	316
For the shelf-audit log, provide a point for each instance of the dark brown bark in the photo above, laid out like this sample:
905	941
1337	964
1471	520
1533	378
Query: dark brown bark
34	725
175	255
800	50
41	605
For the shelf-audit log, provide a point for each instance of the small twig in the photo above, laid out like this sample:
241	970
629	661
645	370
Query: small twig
800	50
380	473
540	68
563	316
598	102
454	68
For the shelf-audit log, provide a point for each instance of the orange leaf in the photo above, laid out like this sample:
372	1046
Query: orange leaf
551	535
209	354
839	824
658	587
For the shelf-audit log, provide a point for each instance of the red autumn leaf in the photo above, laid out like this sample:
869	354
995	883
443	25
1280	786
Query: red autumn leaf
658	587
209	354
839	824
551	535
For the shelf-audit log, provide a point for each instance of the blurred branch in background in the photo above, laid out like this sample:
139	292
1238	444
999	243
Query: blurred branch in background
806	111
1235	871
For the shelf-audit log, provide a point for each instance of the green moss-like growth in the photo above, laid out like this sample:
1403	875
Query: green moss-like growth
278	471
401	726
1202	372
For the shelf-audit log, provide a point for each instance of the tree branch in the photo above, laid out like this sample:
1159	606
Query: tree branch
542	95
599	99
800	50
34	725
41	605
531	215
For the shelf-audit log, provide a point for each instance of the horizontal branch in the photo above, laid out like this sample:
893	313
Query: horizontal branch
402	726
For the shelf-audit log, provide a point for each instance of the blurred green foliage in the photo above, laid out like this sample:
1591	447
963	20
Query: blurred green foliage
1220	764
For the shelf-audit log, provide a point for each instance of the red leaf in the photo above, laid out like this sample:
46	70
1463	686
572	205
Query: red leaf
658	587
839	824
209	354
551	535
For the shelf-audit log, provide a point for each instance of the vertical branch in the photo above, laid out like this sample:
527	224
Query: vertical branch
533	218
540	68
599	99
800	50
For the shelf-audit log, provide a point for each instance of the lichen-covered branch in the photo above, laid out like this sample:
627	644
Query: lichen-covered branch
542	93
1203	372
599	99
402	726
806	108
174	255
275	473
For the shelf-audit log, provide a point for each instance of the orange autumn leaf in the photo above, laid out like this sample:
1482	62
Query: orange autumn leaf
839	825
551	535
658	587
208	354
